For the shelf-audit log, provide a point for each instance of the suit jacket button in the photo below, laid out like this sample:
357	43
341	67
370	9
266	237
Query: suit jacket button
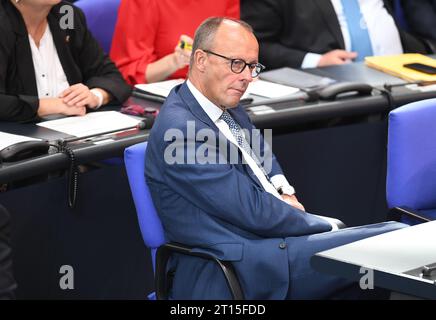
282	245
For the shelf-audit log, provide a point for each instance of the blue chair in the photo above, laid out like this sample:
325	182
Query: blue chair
411	172
101	16
153	232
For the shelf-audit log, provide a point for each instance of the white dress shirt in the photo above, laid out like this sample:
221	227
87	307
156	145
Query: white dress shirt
214	113
383	32
51	80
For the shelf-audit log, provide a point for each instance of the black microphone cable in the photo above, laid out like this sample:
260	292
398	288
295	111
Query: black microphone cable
73	171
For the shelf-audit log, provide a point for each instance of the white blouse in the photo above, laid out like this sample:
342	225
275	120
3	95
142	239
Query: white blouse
50	76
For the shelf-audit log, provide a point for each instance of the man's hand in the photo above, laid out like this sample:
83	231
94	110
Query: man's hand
293	201
336	57
79	95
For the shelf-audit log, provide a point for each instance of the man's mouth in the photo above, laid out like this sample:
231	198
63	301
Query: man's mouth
240	91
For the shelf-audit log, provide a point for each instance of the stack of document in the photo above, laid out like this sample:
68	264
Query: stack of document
7	139
394	65
269	89
257	87
91	124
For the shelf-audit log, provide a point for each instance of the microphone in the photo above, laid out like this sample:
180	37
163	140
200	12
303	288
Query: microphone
144	124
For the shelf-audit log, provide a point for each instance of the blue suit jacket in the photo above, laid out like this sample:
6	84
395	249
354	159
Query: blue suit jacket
220	209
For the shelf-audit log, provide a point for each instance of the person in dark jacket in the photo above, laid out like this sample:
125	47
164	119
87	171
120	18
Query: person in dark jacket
318	33
51	64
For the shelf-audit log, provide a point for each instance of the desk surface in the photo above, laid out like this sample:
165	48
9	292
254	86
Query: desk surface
288	113
284	114
393	256
85	152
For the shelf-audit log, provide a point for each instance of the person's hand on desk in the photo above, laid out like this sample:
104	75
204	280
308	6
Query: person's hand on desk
57	106
293	201
80	95
336	57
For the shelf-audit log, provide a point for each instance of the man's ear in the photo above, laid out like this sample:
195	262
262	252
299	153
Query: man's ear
200	58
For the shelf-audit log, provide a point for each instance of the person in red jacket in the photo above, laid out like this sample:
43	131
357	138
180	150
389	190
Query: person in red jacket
146	41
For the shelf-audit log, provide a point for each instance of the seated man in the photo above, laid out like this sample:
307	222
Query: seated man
213	193
312	33
7	282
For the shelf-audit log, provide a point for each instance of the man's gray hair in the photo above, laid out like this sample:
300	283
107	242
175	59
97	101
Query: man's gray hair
205	33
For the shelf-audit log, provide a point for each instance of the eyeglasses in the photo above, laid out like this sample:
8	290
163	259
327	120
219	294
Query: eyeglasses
238	65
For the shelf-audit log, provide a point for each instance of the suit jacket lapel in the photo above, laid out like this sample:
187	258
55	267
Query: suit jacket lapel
199	113
195	107
329	14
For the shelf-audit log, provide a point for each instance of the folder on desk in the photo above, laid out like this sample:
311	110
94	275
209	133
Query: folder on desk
394	65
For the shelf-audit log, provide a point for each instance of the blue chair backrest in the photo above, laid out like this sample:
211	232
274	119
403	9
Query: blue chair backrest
411	176
101	16
149	221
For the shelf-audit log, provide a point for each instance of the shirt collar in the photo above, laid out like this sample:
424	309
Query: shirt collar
213	111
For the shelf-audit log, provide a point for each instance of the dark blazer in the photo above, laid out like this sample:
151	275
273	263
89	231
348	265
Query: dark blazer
221	208
81	57
421	17
288	29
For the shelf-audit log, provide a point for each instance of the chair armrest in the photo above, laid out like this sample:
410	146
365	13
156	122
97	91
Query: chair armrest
399	211
162	257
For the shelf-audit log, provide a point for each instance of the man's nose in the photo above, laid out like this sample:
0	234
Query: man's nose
246	75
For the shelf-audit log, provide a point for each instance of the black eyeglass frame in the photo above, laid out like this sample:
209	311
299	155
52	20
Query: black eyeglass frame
256	68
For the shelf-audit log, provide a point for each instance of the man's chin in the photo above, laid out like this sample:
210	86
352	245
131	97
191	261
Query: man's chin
231	105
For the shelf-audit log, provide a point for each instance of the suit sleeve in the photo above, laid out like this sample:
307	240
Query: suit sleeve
225	193
97	68
260	14
13	107
135	34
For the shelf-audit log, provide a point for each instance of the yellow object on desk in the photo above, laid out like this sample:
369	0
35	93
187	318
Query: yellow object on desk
394	65
184	45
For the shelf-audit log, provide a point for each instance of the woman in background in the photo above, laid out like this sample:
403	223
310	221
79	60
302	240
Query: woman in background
148	33
46	68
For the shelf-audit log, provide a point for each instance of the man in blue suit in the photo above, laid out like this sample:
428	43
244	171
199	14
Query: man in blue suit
213	193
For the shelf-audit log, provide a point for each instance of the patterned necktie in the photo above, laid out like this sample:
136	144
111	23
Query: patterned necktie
236	131
360	41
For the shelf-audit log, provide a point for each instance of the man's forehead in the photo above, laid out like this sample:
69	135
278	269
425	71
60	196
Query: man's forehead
235	38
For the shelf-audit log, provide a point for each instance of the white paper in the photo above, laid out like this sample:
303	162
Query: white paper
7	139
162	88
269	89
92	123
